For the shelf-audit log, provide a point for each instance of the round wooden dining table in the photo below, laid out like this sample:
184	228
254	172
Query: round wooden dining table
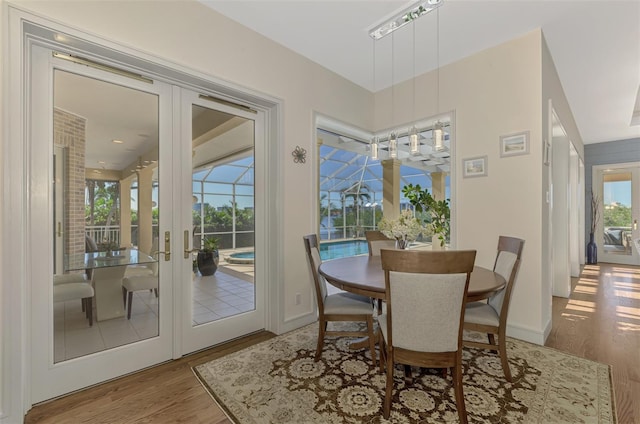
364	275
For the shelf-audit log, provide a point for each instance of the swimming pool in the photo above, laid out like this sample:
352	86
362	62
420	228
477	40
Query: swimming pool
342	249
328	250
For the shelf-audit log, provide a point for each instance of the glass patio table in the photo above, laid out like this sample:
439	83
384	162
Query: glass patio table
107	273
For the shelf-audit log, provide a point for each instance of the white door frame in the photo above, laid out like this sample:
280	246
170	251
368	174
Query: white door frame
597	185
22	29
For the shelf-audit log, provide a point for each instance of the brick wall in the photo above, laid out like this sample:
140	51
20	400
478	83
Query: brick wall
69	131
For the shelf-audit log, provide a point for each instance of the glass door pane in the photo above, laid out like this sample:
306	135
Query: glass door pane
223	215
106	276
620	202
221	288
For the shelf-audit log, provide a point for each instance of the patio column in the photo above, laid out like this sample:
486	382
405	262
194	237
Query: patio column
145	206
125	212
390	188
438	185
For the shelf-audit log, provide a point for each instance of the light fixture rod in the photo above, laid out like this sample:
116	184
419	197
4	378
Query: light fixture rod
404	17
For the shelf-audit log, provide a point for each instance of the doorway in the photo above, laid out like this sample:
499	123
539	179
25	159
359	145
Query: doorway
617	186
127	187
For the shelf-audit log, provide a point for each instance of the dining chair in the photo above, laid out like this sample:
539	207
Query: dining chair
74	287
137	283
491	317
425	292
144	269
342	306
376	241
142	277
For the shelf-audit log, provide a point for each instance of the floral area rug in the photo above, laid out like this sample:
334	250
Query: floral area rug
277	381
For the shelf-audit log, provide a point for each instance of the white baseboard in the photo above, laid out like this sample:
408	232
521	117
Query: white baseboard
297	322
530	335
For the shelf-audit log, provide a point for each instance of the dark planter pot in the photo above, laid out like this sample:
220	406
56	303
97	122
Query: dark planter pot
208	262
592	251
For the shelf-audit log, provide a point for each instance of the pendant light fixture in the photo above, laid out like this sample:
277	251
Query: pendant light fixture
438	136
406	16
414	145
438	144
393	136
375	142
393	145
374	147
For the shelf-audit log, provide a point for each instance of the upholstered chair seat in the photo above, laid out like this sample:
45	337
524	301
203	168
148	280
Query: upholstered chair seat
481	313
74	287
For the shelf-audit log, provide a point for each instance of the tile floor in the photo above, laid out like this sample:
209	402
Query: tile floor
215	297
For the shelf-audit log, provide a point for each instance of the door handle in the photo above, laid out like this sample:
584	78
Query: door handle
59	229
186	245
635	224
167	246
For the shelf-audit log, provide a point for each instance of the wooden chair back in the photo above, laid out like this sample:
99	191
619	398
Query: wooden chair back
431	289
507	265
377	241
312	248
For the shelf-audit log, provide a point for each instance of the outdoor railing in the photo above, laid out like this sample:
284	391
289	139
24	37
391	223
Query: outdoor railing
102	233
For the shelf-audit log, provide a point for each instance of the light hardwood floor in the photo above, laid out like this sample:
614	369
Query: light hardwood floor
600	321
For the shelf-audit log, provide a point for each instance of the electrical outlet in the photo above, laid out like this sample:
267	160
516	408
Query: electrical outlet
298	298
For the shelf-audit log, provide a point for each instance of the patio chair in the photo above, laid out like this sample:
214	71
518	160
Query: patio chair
426	292
341	306
491	317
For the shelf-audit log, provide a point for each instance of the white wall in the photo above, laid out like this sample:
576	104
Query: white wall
553	97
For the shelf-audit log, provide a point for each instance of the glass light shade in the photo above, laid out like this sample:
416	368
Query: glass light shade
374	148
393	145
438	144
414	146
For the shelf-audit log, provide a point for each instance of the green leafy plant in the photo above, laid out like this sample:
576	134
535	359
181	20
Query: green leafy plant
210	244
438	210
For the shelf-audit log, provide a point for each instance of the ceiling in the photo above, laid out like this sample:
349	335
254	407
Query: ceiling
595	45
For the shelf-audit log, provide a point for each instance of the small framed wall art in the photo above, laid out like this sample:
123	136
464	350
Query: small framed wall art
514	144
475	167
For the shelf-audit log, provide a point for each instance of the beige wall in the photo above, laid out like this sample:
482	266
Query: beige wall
196	37
493	93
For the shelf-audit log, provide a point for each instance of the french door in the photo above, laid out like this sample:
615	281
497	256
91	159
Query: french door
79	170
219	194
618	187
129	163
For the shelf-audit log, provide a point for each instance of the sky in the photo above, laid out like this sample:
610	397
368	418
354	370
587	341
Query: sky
619	191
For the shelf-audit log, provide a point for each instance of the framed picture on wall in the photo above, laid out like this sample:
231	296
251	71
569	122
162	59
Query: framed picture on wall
475	167
514	144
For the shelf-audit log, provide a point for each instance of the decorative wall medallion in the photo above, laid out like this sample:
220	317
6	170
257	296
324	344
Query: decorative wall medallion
299	155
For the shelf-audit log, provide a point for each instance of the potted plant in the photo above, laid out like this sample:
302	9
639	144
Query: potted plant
208	257
109	247
438	210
